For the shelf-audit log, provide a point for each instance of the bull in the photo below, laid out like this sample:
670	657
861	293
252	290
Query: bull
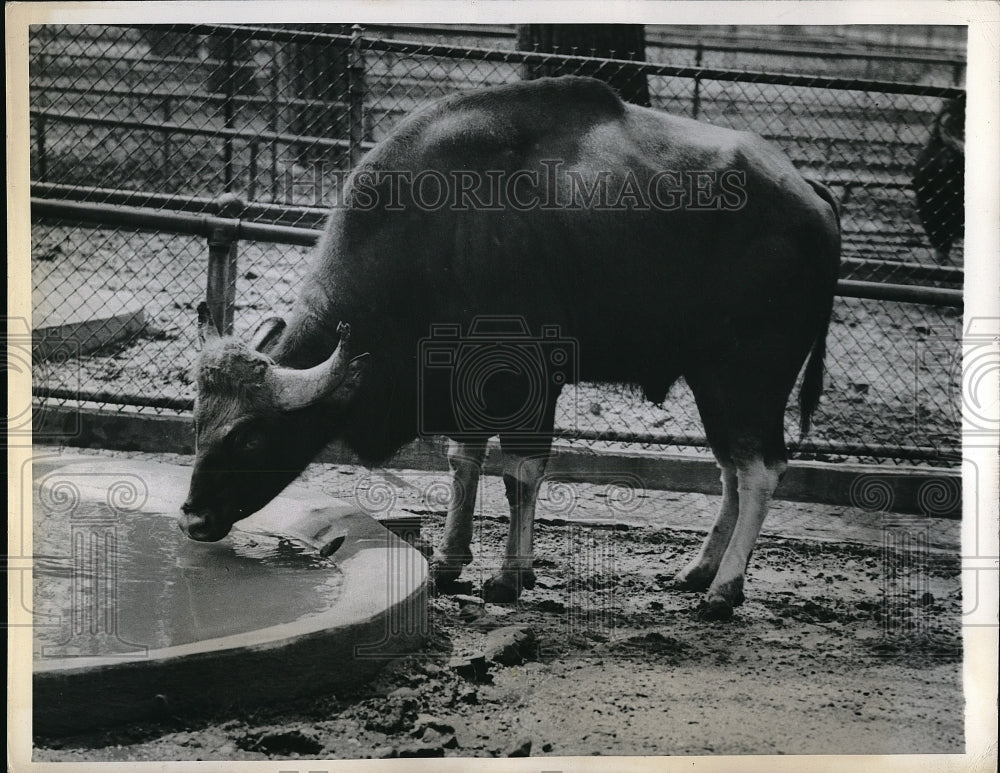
628	256
939	179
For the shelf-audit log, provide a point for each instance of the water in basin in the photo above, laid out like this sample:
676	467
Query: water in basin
108	582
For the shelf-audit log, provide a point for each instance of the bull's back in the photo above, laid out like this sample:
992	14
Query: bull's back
604	272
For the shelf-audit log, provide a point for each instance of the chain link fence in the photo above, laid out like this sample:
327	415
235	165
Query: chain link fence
170	119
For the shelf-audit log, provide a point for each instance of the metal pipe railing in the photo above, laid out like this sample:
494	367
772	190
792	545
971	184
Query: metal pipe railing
42	85
302	216
224	231
311	218
883	291
180	128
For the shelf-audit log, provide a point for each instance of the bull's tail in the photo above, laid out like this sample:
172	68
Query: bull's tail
812	382
812	379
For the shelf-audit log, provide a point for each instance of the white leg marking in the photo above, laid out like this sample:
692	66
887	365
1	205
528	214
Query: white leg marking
522	476
466	463
702	569
757	483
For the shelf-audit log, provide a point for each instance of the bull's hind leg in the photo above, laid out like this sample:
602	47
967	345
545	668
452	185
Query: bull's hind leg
742	406
757	481
465	458
698	574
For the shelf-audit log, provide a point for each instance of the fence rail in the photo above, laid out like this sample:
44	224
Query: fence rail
658	40
236	229
313	218
129	172
422	48
661	40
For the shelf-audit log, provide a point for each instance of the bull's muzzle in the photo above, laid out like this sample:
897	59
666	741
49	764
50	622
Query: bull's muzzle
197	526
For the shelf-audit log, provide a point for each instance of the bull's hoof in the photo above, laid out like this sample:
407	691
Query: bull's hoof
721	599
715	608
693	578
505	587
445	570
732	591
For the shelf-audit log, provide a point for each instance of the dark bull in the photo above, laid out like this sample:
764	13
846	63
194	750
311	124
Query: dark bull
735	299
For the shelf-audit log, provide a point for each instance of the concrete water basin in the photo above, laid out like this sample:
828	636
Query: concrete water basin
134	620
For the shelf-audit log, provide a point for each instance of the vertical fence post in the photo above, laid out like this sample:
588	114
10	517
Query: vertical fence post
356	96
223	263
252	186
228	113
696	106
275	114
167	149
43	163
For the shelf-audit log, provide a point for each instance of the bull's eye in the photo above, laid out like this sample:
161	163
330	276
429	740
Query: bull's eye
249	441
245	439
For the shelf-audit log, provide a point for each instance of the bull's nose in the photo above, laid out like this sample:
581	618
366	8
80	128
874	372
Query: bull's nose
195	526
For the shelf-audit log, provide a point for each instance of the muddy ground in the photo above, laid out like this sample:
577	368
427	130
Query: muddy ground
847	643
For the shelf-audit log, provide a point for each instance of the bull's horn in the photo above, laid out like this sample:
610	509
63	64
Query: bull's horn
293	389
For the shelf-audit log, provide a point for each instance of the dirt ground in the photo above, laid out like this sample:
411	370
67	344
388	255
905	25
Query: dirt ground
847	644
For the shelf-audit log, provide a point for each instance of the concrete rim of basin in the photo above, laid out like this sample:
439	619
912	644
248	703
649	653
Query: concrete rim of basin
382	603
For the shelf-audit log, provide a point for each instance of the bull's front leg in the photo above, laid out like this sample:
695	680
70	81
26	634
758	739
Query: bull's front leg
522	477
465	459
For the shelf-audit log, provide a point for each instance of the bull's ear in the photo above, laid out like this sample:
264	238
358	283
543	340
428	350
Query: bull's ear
355	371
267	334
207	329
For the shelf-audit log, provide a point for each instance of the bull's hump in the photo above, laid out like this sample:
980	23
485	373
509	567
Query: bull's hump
507	122
676	142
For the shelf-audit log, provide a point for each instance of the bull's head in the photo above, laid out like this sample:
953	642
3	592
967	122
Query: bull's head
256	423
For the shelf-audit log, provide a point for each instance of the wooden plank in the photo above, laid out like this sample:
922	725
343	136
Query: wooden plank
907	490
60	332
